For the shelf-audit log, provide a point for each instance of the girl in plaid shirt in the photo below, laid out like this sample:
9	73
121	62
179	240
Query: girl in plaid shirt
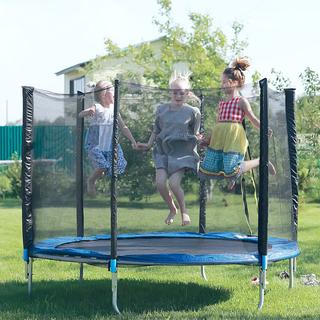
228	143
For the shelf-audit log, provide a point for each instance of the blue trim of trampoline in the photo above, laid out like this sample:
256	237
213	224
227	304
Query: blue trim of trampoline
113	265
26	255
282	249
264	263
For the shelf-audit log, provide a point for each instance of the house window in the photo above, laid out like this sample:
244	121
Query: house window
77	85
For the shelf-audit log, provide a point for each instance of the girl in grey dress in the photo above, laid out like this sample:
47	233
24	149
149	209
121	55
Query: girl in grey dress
175	137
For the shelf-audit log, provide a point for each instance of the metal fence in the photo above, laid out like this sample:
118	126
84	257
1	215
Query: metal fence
61	154
10	141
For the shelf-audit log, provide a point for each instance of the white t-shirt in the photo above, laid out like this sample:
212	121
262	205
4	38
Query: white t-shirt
103	118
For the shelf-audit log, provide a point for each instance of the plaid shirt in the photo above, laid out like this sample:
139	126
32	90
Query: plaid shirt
230	111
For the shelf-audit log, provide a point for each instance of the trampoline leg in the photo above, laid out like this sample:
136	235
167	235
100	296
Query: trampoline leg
115	292
291	272
262	280
295	264
81	272
29	275
203	273
262	287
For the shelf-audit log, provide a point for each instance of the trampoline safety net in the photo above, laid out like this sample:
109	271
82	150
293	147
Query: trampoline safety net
64	204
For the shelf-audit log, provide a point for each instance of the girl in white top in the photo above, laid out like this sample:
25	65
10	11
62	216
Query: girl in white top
99	137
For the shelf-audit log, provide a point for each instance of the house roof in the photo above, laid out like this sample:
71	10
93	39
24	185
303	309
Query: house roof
83	64
72	68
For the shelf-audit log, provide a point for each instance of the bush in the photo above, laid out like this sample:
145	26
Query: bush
13	173
52	185
5	185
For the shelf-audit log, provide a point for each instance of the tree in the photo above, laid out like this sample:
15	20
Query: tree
311	82
278	80
203	50
237	45
308	106
308	124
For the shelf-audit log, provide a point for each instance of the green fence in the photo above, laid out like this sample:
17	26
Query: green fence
10	141
53	142
56	143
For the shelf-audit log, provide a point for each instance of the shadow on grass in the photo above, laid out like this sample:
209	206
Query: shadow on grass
150	204
10	203
74	299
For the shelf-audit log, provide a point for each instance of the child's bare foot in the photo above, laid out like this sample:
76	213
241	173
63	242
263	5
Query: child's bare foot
185	219
272	169
91	188
170	218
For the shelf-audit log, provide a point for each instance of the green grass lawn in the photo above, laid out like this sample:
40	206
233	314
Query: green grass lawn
154	292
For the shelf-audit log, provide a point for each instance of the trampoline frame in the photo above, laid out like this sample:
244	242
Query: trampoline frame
262	239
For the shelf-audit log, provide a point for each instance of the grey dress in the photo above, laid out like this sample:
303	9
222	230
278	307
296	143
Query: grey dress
175	143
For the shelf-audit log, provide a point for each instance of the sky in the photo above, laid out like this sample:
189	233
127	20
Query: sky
41	37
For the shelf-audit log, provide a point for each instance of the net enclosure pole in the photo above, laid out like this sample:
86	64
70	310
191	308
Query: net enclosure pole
114	172
203	183
263	170
79	171
79	165
263	189
26	170
26	180
113	203
292	144
203	186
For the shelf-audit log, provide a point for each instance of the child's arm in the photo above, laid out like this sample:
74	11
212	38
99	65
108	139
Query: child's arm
156	130
245	106
149	144
151	140
203	140
197	122
127	133
87	112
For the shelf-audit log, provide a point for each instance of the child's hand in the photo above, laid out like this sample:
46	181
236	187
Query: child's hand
134	145
90	112
143	146
203	141
199	136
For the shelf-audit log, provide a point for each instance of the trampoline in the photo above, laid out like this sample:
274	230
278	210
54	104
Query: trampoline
61	223
160	248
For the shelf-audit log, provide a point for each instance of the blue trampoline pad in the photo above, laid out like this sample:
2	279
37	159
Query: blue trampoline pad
159	248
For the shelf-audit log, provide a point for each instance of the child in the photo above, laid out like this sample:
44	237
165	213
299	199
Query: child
175	135
99	137
228	143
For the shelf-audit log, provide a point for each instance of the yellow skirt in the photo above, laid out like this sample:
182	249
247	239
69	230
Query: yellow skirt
226	151
229	137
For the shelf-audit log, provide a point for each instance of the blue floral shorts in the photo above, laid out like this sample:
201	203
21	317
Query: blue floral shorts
103	159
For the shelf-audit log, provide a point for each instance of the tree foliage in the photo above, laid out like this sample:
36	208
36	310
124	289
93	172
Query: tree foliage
311	82
203	50
13	173
308	126
278	80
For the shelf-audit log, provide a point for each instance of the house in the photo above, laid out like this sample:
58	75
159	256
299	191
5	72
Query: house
75	78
